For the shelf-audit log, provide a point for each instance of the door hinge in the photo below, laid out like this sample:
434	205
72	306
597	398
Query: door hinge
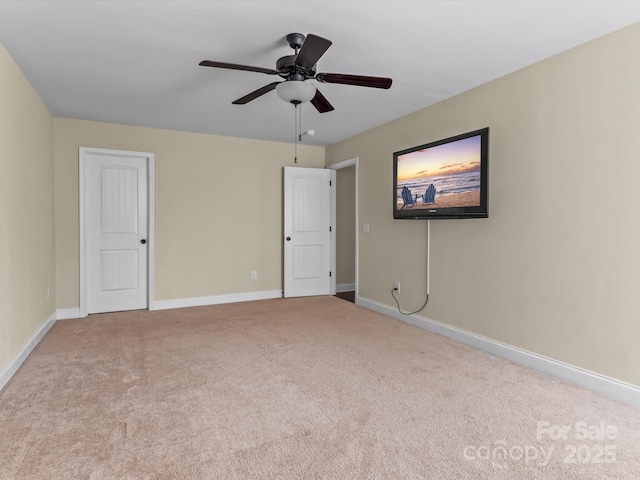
330	183
330	229
329	273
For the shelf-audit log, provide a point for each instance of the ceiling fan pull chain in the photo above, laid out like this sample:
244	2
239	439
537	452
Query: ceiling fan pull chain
300	126
295	133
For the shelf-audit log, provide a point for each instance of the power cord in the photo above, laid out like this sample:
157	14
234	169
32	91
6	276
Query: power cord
408	313
393	290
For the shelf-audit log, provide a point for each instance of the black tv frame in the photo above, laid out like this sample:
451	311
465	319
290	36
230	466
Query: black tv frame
460	212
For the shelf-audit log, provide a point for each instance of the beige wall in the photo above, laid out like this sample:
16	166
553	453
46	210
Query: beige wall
26	211
556	268
218	207
345	225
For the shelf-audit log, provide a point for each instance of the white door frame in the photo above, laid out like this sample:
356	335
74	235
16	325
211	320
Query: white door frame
82	198
337	166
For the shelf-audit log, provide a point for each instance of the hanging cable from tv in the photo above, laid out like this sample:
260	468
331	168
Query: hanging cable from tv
393	290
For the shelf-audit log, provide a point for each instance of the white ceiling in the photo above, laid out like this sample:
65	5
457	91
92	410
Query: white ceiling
136	62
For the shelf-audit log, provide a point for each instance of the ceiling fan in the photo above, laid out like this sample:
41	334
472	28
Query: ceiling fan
296	69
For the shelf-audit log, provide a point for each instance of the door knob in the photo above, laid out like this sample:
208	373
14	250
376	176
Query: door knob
288	239
143	241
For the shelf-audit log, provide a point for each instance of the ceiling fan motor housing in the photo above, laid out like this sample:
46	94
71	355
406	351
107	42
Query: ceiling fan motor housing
287	67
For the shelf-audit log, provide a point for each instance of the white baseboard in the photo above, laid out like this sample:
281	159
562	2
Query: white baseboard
610	387
216	299
68	313
613	388
22	355
345	287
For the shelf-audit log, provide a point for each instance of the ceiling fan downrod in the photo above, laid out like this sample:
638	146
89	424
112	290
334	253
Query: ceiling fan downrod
295	41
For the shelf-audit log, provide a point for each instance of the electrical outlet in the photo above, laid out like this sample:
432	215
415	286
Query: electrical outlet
254	275
396	286
48	293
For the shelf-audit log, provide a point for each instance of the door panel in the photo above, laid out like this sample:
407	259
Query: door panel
308	262
307	231
119	270
119	200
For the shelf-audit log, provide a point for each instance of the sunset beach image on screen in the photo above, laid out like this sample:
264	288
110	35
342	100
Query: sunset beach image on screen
452	168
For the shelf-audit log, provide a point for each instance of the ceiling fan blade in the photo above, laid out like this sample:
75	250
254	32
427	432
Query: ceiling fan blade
255	94
358	80
234	66
312	49
321	103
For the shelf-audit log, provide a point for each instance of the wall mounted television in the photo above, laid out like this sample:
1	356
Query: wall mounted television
448	178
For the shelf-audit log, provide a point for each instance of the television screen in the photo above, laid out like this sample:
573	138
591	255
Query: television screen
443	179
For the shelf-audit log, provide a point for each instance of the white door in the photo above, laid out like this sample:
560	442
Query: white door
308	231
115	230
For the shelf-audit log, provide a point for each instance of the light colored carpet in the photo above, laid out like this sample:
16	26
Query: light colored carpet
313	388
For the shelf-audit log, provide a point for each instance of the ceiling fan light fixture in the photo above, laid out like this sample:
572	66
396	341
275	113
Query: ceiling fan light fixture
296	91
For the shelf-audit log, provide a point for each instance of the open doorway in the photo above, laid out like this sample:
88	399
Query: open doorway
346	229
